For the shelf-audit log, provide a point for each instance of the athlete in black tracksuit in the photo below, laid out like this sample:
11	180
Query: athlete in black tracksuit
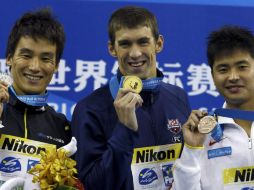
35	123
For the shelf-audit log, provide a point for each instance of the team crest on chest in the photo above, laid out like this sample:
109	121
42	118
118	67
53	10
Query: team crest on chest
174	126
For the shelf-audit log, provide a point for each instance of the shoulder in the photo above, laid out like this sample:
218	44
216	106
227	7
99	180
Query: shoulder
173	90
176	97
98	100
60	117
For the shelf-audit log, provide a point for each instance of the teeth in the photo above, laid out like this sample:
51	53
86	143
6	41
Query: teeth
33	77
136	64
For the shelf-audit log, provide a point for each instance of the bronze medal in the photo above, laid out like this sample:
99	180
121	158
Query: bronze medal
133	82
207	124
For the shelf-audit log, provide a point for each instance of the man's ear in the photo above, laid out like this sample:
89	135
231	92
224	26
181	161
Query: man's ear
111	49
56	67
159	44
9	60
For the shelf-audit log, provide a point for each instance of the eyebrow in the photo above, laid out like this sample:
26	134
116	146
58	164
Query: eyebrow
26	50
144	39
242	61
48	54
123	41
138	40
236	63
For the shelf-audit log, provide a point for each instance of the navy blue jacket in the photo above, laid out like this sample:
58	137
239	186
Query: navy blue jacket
105	146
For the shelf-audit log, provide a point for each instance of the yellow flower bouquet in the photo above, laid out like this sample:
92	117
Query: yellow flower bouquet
56	171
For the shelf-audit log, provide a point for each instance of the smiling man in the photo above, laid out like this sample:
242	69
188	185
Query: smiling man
35	46
224	158
32	65
128	140
34	49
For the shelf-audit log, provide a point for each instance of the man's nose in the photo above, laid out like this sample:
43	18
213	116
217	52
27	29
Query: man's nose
34	64
135	52
234	75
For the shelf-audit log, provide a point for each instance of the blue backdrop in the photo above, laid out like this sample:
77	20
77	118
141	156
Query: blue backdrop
86	64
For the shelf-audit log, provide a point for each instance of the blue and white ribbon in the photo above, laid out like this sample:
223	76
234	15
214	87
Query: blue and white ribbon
32	100
217	132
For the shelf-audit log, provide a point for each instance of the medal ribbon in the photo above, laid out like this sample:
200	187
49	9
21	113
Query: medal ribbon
235	113
32	100
148	84
217	132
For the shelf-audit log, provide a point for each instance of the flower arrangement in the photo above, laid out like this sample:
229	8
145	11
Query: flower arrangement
56	171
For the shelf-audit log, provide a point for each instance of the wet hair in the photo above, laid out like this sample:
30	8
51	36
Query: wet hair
226	40
131	17
39	24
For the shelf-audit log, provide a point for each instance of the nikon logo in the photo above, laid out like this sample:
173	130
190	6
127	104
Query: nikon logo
151	156
20	146
244	175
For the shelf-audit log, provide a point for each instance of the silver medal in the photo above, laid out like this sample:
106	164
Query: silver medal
6	78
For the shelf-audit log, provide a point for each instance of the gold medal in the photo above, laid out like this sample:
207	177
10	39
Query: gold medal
133	83
207	124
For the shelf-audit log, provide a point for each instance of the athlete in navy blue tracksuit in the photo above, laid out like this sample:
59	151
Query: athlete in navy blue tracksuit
111	123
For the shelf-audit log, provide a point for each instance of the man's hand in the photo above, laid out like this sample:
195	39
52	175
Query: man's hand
191	134
125	104
4	95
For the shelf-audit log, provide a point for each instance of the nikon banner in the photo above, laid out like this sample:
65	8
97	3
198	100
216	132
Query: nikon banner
241	178
18	155
152	166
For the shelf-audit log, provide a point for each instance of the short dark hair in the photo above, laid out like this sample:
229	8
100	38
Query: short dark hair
131	17
38	24
228	39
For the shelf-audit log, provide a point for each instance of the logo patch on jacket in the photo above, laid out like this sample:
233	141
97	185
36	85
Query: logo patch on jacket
147	176
10	165
174	126
218	152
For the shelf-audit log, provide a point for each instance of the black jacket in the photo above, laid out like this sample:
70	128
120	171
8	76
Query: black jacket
35	123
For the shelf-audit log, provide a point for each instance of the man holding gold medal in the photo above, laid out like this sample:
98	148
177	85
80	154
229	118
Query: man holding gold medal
219	150
129	131
29	126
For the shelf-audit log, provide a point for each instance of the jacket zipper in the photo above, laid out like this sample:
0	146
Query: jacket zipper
25	123
250	143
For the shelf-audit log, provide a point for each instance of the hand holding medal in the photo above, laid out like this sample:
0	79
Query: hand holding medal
198	125
128	100
192	135
4	96
6	78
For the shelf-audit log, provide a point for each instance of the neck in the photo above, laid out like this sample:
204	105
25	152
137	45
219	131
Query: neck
248	106
245	124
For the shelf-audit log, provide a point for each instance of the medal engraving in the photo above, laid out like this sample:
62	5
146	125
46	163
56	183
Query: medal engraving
133	82
207	124
6	78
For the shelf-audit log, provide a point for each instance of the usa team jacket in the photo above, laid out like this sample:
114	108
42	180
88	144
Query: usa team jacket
227	164
105	146
35	123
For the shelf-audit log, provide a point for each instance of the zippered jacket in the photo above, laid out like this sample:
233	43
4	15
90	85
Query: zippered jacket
105	146
35	123
227	164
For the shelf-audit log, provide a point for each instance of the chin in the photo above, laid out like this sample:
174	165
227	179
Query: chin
235	102
34	92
